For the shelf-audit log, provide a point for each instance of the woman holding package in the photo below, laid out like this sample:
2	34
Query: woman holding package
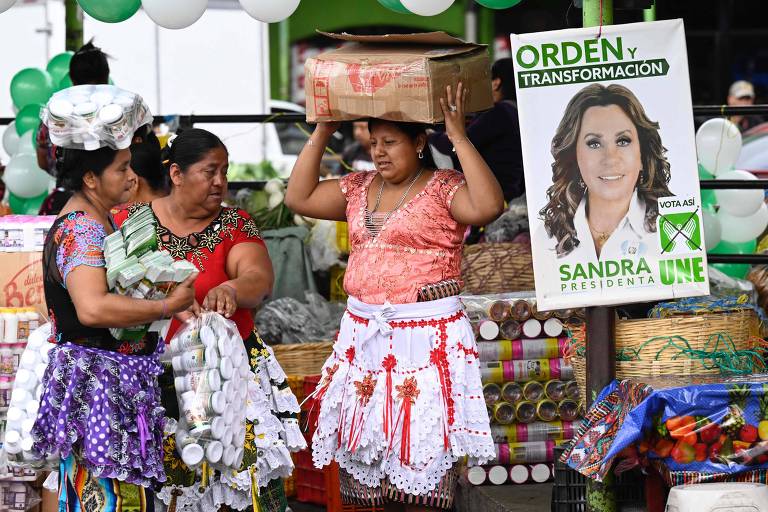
100	409
235	277
401	398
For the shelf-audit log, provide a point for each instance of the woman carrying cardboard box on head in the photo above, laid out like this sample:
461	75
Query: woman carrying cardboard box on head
400	398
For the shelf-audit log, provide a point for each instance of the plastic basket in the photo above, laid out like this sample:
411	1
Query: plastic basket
342	237
337	293
310	481
569	491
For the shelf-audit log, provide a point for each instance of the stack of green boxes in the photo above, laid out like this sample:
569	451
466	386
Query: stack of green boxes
136	268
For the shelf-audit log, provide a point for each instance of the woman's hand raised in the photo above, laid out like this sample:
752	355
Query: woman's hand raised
453	109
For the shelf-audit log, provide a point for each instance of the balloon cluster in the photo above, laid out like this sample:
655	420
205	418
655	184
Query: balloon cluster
30	90
733	218
176	14
434	7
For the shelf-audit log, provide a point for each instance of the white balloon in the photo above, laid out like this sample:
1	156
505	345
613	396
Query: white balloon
426	7
743	229
718	144
270	11
26	145
740	203
10	139
174	14
6	4
712	230
24	178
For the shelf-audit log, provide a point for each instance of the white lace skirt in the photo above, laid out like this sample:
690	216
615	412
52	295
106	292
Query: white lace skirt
401	398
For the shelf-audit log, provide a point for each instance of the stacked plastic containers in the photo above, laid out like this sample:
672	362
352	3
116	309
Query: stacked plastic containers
87	116
24	351
533	400
211	372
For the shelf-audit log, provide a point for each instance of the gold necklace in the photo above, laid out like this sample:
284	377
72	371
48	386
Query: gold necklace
600	236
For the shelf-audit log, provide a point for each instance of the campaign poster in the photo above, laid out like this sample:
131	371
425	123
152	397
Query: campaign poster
610	164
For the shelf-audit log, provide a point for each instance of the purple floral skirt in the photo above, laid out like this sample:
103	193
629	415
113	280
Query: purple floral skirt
104	408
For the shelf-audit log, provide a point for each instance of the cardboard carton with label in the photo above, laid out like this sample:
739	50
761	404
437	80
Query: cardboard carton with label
399	77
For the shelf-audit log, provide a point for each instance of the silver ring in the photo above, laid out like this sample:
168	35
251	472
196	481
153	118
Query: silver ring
452	108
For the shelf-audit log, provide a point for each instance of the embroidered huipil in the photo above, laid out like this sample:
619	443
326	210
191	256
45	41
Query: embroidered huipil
420	244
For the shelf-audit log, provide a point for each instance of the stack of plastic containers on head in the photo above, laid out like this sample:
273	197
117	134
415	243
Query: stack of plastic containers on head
533	400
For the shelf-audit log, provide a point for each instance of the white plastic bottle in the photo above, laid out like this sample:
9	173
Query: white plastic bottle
11	329
33	318
2	325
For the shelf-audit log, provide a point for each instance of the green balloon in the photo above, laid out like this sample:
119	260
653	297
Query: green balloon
737	270
28	118
499	4
705	174
31	85
59	66
394	5
110	11
708	199
65	82
26	206
725	247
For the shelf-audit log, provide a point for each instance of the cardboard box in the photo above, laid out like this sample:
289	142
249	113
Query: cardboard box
21	281
395	77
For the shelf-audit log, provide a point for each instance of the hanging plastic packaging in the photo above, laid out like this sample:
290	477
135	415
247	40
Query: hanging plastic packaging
211	375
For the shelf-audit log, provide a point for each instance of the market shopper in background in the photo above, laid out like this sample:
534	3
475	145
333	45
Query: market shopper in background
742	93
400	398
88	66
235	277
109	446
496	133
147	164
357	156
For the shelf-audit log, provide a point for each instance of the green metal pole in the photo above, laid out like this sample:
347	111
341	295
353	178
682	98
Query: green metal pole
650	13
73	17
601	348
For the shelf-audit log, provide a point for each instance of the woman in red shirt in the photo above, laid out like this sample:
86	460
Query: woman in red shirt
235	277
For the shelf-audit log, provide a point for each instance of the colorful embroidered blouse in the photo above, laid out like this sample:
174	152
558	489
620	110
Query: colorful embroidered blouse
74	240
419	244
208	250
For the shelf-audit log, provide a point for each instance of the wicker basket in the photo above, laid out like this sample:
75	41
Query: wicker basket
647	343
302	359
497	267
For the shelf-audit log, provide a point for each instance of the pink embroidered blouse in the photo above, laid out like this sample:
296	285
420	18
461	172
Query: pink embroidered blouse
419	244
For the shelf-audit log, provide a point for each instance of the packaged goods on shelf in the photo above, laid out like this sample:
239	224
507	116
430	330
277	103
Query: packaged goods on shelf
536	431
510	474
24	233
525	370
509	349
527	453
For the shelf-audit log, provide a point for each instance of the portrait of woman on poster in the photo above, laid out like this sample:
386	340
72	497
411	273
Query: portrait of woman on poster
609	171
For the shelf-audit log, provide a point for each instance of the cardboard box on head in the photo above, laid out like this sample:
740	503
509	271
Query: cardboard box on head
399	77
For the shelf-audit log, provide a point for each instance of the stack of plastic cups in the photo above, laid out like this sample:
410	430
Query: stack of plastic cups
25	402
529	389
210	371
